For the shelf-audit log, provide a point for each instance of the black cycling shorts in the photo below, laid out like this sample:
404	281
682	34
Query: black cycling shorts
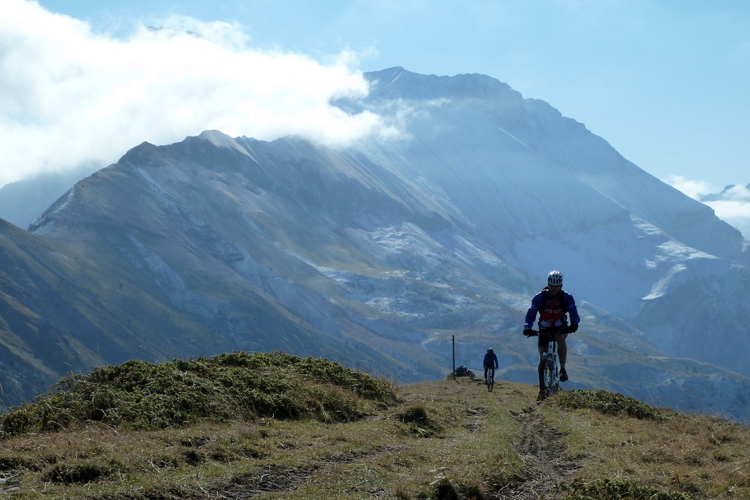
546	336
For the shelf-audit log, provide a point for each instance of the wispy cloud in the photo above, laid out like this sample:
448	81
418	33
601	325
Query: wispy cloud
694	189
69	95
731	204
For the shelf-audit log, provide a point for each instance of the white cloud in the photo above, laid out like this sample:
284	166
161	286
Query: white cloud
692	188
69	95
735	213
737	194
730	205
734	208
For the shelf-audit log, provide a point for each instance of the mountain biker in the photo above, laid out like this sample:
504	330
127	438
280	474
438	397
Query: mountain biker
490	361
552	304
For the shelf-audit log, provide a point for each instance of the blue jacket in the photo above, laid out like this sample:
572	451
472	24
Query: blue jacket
490	359
552	310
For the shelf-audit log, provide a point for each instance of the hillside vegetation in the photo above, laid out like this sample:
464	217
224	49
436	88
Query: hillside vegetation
275	426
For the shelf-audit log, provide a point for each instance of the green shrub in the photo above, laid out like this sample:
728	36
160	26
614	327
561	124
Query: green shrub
142	395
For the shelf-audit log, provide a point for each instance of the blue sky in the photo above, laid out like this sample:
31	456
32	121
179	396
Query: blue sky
665	82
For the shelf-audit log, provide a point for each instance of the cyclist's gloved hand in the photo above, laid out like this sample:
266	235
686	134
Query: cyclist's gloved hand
528	332
573	327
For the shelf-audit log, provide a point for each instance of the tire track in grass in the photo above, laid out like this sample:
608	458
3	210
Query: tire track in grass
546	463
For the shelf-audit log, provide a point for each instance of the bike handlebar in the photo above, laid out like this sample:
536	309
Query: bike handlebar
560	329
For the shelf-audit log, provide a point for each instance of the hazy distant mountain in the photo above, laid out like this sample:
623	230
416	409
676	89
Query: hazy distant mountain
724	194
62	313
379	254
22	202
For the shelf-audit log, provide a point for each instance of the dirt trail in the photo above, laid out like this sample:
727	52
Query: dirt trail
544	456
540	448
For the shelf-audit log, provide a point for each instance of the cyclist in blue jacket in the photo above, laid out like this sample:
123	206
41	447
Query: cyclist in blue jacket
490	361
553	304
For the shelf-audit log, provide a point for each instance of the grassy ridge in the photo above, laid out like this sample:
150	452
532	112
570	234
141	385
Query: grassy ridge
146	396
274	426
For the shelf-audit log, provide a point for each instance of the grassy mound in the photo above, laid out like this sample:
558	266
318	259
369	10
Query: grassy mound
611	403
144	396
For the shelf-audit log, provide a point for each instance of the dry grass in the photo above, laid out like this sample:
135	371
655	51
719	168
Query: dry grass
439	440
698	456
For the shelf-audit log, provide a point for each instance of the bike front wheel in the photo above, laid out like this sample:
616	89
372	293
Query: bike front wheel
549	376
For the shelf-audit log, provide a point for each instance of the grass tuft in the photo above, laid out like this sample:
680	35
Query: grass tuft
446	489
606	489
80	471
419	422
414	414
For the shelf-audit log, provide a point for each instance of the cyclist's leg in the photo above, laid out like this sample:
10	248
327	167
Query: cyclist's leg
562	347
562	354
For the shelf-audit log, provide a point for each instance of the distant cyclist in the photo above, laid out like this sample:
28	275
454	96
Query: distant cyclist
554	305
490	361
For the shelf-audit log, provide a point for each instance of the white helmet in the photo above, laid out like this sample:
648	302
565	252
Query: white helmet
554	278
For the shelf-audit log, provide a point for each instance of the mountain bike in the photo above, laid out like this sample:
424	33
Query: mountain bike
549	368
490	378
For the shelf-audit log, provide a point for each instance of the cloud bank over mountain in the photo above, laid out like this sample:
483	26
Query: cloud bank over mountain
71	94
731	204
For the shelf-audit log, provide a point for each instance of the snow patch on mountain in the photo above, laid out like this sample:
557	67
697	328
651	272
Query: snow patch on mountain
46	221
155	186
659	288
